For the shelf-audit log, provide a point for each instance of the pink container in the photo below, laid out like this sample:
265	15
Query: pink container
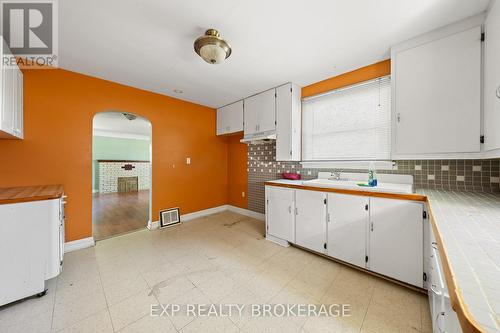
292	176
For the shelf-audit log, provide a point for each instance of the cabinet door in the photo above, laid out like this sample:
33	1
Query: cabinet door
396	239
7	101
251	115
310	220
230	118
279	213
18	104
347	228
492	79
267	111
284	123
437	96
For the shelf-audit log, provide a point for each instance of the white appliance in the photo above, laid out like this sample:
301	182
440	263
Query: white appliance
31	247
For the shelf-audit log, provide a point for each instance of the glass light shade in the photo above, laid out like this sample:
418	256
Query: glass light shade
213	54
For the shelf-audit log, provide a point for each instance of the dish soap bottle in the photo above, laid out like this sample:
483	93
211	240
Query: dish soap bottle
372	175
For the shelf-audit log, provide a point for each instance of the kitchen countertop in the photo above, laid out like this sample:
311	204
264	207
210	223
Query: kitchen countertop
9	195
467	230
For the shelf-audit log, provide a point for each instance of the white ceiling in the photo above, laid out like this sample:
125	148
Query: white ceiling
148	44
114	124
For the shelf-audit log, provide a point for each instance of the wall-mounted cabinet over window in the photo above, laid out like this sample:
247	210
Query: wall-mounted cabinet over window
11	97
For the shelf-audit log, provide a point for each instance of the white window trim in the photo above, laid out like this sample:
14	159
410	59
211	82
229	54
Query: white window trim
379	165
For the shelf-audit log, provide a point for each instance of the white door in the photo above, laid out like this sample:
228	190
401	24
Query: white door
310	220
347	228
437	96
279	213
396	239
492	79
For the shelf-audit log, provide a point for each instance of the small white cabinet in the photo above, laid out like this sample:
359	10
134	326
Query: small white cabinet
396	239
288	123
280	213
436	93
230	118
492	80
11	97
347	228
310	219
260	113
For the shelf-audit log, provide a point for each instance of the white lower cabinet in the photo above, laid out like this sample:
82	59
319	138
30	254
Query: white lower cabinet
310	218
280	213
378	234
396	239
347	228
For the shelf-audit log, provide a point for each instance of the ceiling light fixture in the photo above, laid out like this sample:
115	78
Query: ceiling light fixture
212	48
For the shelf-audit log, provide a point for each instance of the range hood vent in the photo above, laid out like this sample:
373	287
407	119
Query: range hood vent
259	138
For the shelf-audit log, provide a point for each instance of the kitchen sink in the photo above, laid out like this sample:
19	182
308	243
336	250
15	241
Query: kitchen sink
353	185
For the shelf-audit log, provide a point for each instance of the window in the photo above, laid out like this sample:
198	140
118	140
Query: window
348	124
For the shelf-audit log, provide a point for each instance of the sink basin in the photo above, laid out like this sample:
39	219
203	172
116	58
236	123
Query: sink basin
353	185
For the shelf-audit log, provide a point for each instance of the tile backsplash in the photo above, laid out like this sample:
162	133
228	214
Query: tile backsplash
468	175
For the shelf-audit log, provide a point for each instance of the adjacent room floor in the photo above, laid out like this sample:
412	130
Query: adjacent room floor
221	258
118	213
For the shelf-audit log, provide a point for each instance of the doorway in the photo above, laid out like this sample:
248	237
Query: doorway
121	174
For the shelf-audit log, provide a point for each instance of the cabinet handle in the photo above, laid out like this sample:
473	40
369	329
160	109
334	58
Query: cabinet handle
290	209
434	245
296	211
371	226
498	92
437	321
399	117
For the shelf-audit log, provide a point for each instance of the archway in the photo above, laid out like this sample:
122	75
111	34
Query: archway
121	173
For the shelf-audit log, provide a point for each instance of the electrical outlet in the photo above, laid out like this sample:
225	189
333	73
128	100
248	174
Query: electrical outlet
242	194
188	160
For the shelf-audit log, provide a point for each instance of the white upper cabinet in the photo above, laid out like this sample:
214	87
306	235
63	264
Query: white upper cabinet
288	123
492	80
230	118
11	98
260	113
437	93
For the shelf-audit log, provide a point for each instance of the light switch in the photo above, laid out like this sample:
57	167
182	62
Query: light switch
188	160
242	194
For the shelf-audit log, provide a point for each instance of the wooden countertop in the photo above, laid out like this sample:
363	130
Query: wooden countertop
9	195
443	206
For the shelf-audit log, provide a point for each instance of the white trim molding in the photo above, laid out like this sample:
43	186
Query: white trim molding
78	244
246	212
120	135
153	225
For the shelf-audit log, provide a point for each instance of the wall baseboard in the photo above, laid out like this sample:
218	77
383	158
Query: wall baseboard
194	215
247	212
78	244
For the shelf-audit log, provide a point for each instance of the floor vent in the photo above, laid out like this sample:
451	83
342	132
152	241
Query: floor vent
169	217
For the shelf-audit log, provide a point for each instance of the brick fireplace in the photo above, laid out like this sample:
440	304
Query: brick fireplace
111	170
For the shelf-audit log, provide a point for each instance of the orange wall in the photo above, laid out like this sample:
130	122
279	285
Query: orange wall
237	171
58	110
359	75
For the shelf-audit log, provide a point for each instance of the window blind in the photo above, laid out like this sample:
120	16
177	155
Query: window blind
352	123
